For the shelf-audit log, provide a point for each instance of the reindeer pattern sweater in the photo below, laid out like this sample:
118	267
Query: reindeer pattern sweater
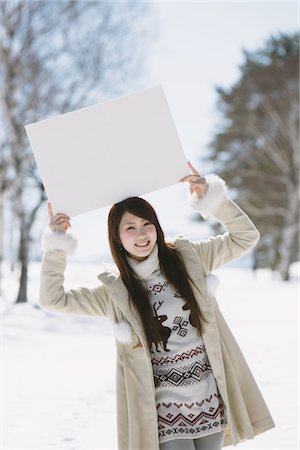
188	402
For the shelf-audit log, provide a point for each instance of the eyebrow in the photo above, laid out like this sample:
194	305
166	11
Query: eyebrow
133	223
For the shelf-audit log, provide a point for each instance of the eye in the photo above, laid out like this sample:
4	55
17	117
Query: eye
147	223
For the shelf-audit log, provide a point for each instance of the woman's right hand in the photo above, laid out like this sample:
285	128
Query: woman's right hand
59	222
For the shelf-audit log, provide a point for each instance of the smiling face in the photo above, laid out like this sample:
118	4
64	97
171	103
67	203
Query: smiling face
134	231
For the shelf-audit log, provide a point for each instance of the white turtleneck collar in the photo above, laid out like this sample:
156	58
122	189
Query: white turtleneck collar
147	266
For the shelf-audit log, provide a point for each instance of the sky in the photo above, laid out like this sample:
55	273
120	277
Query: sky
198	46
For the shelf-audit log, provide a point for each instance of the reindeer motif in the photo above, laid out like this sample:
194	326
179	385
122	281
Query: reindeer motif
164	331
185	307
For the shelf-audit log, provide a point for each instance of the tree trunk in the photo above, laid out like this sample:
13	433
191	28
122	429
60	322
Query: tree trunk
24	244
1	239
23	260
288	237
1	233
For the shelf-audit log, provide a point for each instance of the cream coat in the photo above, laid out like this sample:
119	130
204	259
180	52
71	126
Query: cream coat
135	390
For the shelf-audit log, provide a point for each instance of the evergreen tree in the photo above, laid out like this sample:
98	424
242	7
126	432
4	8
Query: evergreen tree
256	147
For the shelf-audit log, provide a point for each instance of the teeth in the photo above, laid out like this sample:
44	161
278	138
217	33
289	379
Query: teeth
142	245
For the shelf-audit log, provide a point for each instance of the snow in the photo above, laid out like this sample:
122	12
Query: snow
58	371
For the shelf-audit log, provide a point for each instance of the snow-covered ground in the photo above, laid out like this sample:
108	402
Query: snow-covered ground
58	371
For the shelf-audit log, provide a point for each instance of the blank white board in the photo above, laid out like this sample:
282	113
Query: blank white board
99	155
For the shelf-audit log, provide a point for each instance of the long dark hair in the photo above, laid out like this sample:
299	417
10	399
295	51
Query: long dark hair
171	264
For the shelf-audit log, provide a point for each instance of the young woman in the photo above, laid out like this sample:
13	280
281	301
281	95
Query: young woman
182	381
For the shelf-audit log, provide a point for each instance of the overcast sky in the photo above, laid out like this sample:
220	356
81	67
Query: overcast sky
199	46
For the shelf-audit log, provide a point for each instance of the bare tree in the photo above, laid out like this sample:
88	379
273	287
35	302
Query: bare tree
56	57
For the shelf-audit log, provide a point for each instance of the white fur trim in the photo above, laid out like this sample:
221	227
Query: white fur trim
214	196
54	240
122	331
109	268
212	284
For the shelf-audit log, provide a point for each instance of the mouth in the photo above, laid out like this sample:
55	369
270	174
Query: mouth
143	244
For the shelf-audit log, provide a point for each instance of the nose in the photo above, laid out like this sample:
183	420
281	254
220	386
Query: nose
142	233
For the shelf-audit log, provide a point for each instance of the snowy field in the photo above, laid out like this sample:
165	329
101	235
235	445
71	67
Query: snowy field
58	371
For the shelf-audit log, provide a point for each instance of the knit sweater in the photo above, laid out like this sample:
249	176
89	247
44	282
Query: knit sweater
187	398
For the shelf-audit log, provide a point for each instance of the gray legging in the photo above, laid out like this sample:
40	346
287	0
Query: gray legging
211	442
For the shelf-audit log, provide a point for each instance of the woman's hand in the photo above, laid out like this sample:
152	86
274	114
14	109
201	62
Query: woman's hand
197	183
60	222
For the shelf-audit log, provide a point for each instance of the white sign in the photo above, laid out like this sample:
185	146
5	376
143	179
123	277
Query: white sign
102	154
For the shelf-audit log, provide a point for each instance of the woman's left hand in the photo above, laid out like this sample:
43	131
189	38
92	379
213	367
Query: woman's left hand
197	182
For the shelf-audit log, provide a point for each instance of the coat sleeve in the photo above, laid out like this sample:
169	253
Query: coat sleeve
241	234
52	294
